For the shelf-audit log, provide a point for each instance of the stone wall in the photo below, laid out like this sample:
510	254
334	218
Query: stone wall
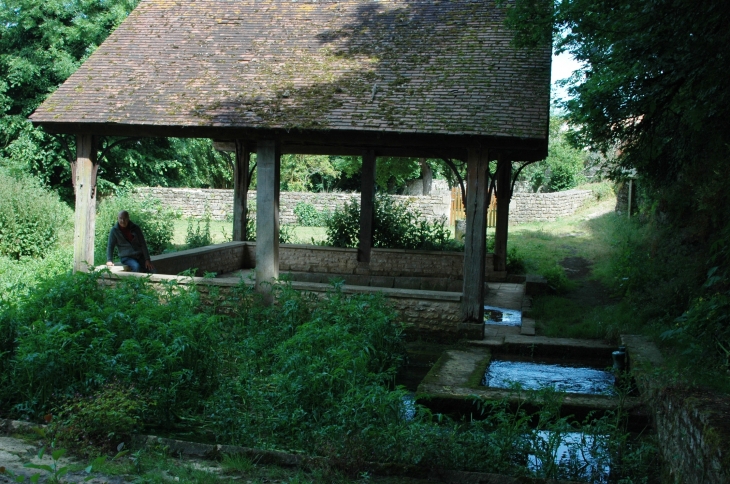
193	202
220	258
442	270
524	207
691	424
427	315
546	207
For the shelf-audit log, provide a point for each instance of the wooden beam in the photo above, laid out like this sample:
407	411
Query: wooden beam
475	240
83	172
267	217
240	190
328	141
504	195
367	207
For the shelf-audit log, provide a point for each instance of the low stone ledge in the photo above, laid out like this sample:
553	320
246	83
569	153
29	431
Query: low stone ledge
692	425
285	459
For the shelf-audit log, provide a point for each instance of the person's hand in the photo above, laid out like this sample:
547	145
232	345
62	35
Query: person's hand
149	266
109	263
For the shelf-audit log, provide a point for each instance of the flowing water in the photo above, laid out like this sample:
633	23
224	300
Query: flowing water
533	376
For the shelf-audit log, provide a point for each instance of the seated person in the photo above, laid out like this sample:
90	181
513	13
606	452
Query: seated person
127	237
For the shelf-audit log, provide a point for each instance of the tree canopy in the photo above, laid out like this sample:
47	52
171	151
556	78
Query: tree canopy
653	87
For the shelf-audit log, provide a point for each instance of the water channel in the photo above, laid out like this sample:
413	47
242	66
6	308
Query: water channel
563	378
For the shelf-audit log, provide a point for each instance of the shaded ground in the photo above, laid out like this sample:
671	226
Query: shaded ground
588	291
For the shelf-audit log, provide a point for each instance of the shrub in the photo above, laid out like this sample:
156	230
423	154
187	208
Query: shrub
31	218
155	221
397	226
199	237
308	216
100	421
74	335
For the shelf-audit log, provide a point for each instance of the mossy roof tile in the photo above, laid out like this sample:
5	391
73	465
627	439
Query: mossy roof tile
403	66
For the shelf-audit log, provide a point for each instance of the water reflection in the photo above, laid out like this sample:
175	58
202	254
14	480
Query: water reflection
502	316
408	406
581	455
533	376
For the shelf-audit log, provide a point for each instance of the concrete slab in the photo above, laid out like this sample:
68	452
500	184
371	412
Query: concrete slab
456	367
528	326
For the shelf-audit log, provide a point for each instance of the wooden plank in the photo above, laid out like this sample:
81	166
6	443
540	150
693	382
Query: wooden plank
267	217
475	240
240	189
504	186
367	207
84	179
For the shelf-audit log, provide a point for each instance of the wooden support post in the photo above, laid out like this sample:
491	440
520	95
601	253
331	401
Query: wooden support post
240	190
475	242
83	175
367	207
267	216
504	195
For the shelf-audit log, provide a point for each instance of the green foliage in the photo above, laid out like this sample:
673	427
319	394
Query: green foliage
343	226
563	168
199	237
396	226
309	216
515	261
100	421
31	218
557	279
74	335
300	172
668	124
41	44
155	221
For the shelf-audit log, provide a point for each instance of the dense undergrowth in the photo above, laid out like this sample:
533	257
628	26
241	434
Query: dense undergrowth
305	375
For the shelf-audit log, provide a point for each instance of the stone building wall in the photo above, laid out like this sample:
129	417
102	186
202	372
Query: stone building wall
525	207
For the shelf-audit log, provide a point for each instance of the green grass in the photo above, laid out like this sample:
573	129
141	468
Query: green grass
221	231
544	244
591	233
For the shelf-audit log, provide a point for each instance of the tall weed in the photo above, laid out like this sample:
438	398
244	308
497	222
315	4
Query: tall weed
74	335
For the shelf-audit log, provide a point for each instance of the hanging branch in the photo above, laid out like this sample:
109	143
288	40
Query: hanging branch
451	165
116	143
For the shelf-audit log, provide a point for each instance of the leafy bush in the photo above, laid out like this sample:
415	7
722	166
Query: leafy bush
199	237
155	221
74	335
31	217
397	226
309	216
100	421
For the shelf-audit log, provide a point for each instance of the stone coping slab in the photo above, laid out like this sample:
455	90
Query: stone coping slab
300	286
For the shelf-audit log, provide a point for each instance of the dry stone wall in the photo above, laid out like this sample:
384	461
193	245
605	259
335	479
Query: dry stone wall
193	202
524	207
546	207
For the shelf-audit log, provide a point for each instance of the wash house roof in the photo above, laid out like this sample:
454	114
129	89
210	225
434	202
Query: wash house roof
316	73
